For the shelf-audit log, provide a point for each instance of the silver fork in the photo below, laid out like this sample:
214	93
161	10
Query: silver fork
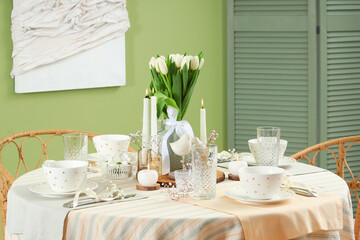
87	201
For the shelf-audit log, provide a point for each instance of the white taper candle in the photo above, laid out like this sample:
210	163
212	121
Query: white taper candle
145	131
153	99
203	137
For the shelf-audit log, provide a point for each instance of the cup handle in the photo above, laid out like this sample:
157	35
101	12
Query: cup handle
47	162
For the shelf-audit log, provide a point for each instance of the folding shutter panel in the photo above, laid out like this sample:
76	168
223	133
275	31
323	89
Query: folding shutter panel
272	70
340	77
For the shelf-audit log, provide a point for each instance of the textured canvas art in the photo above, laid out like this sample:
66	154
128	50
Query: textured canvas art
68	44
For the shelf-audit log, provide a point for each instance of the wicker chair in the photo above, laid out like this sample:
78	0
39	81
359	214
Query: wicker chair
6	179
354	184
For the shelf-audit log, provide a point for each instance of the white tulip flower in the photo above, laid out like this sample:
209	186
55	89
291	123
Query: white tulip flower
161	66
186	61
152	63
172	57
177	59
201	63
194	63
163	58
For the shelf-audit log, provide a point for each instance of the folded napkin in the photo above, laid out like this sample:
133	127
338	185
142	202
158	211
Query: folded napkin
285	220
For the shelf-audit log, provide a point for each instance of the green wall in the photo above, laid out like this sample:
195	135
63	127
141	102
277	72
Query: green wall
157	27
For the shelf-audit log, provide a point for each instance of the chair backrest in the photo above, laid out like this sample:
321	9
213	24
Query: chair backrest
6	179
341	163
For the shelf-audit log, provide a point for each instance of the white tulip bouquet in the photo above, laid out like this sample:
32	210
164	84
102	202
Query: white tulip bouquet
174	79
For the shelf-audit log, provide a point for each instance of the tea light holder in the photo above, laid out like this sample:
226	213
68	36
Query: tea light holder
147	179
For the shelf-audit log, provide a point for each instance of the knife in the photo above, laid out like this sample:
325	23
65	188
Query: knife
87	201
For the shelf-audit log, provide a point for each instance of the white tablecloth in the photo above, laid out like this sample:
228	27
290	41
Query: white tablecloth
159	218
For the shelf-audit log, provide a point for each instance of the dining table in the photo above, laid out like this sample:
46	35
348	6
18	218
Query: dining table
154	216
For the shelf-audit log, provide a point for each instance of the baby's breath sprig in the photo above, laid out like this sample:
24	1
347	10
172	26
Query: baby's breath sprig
213	136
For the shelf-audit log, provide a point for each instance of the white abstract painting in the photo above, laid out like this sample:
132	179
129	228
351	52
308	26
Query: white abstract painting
102	66
68	44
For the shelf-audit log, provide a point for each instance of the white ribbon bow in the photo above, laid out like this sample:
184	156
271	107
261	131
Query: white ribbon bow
180	128
88	192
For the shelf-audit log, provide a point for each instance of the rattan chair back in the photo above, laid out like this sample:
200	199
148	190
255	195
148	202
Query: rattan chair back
341	165
6	179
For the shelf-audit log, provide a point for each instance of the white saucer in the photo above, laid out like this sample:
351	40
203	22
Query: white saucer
45	190
283	162
239	194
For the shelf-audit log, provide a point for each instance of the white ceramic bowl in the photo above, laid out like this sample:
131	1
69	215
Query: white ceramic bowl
253	148
261	182
66	175
111	144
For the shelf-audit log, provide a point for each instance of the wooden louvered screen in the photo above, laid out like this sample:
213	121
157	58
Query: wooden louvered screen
272	70
340	77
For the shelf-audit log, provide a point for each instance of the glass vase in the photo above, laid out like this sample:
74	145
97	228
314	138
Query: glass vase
204	167
148	159
142	156
175	160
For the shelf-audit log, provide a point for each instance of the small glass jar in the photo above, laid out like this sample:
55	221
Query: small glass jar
119	168
184	181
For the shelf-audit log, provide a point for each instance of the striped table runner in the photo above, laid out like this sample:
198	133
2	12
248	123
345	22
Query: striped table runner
159	218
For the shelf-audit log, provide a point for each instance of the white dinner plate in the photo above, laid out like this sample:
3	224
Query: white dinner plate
283	162
238	193
45	190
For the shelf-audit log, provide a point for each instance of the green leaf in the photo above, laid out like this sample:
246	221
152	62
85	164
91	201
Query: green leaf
157	82
188	95
177	89
185	79
163	101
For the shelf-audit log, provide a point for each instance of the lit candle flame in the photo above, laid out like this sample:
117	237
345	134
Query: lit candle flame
146	92
153	91
202	103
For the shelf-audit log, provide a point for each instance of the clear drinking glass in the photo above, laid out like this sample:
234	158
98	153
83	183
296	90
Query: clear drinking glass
204	166
76	146
268	145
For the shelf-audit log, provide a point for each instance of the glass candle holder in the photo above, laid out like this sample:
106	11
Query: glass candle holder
148	159
204	166
184	181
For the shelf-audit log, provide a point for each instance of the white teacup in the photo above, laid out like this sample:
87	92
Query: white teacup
253	148
261	182
111	144
66	175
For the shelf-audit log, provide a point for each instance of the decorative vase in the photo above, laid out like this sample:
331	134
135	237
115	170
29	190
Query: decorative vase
204	166
148	159
175	160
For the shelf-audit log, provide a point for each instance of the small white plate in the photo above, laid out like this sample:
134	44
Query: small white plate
239	194
45	190
283	162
